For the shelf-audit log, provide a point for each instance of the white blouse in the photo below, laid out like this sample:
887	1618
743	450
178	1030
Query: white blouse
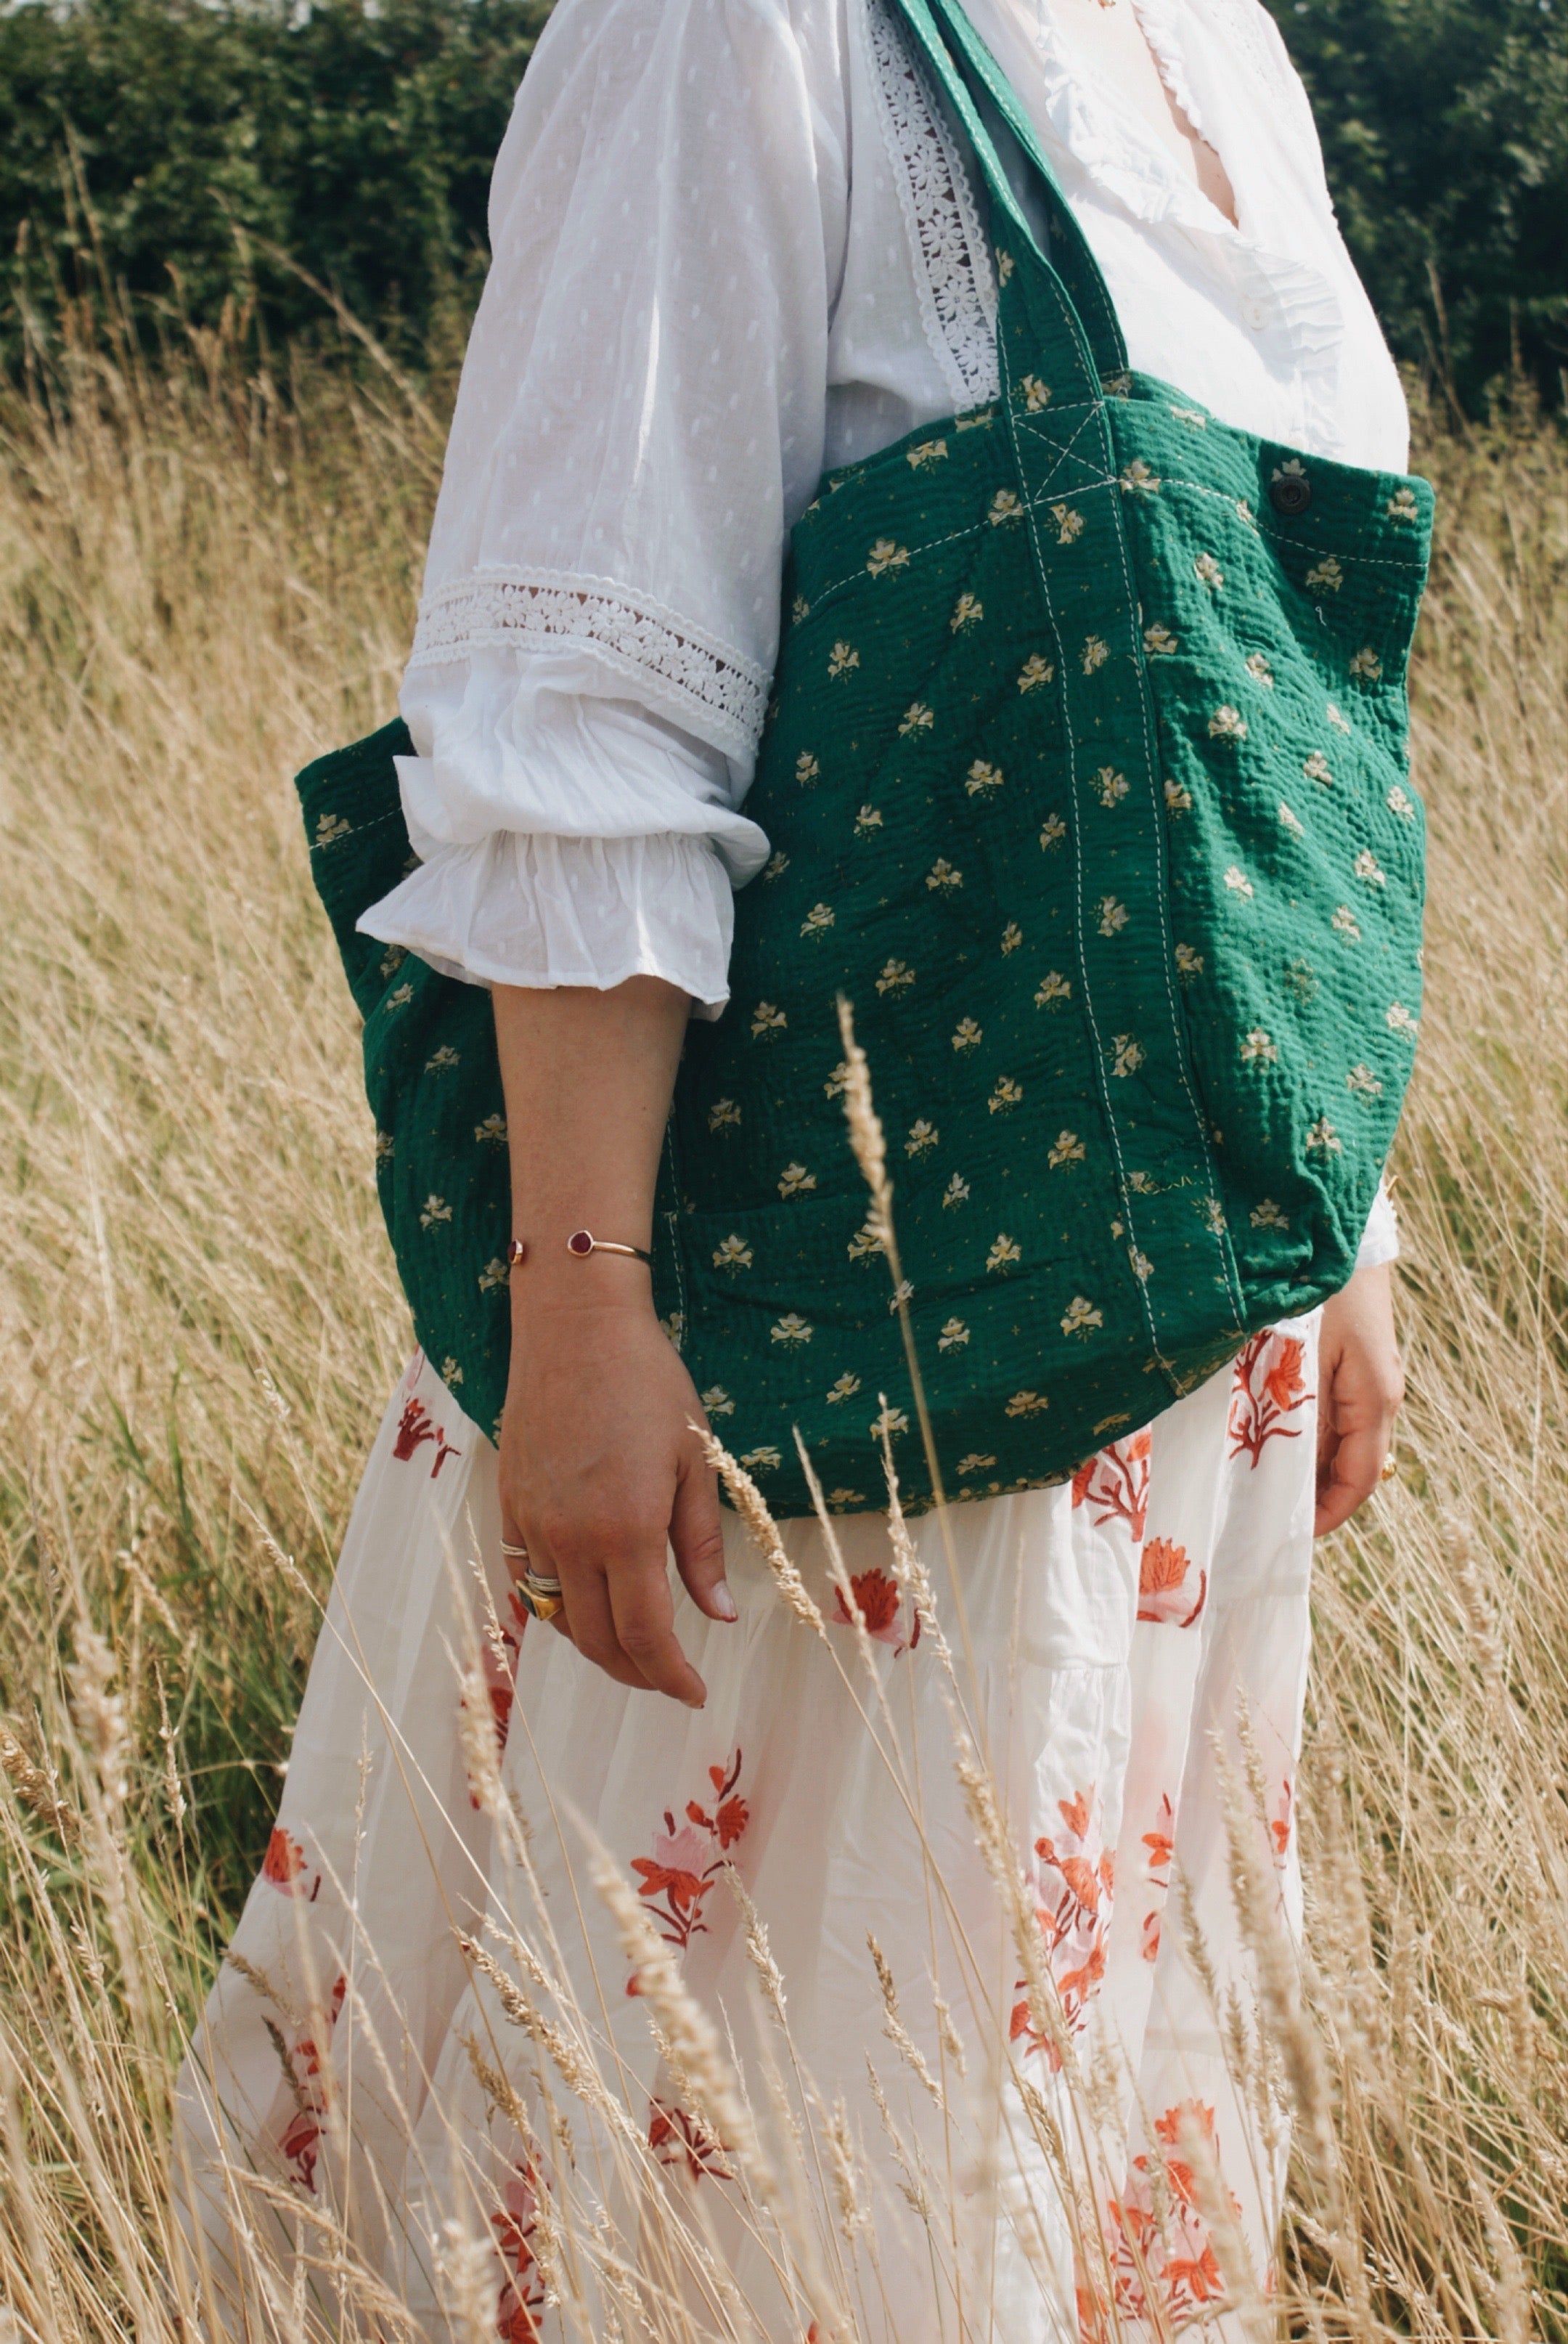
736	243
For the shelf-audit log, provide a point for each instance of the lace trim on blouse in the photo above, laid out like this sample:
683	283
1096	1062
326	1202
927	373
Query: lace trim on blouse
953	274
716	690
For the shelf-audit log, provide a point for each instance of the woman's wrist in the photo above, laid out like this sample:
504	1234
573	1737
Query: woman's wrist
552	1282
589	1079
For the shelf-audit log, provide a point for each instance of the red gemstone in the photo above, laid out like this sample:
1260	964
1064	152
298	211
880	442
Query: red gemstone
579	1241
516	1251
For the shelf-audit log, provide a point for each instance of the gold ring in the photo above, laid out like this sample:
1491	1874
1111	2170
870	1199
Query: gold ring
1389	1467
534	1601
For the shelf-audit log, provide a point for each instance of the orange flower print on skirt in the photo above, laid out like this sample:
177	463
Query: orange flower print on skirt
1115	1484
688	1858
1160	1843
520	2308
676	2138
1282	1822
500	1641
1269	1386
306	2064
283	1866
1074	1883
1164	2271
1164	1593
879	1601
416	1427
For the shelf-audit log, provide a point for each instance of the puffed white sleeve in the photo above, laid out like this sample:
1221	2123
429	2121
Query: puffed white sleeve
640	417
1380	1239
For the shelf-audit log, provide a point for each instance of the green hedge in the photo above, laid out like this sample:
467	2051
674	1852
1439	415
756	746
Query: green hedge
1445	131
361	144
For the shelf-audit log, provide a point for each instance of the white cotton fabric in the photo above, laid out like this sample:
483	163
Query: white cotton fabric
1118	1639
735	245
1380	1239
642	885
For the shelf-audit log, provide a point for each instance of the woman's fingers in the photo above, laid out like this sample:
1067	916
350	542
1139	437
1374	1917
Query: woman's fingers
512	1536
590	1624
535	1556
586	1618
615	1586
644	1613
615	1602
697	1535
1351	1474
622	1618
584	1602
1361	1384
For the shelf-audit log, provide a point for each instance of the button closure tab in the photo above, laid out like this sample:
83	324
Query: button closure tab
1291	494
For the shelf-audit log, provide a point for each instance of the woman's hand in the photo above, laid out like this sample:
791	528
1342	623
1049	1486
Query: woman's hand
1361	1384
599	1470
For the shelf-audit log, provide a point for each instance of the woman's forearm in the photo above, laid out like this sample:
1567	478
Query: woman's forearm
601	1470
587	1078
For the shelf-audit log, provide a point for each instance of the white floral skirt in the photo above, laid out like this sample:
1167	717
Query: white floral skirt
439	2053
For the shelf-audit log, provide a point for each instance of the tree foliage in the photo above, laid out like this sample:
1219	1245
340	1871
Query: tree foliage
138	136
1445	132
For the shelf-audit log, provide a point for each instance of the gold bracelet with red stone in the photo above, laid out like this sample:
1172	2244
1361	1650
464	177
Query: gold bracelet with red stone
581	1242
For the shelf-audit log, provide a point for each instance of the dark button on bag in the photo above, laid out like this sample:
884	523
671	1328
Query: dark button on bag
1291	493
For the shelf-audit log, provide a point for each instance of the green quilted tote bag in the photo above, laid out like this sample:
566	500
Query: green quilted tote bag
1086	773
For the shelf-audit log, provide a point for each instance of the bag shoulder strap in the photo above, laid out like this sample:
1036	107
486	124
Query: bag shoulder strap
961	64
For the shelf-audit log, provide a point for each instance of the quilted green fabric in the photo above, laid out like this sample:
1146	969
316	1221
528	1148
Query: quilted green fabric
1086	776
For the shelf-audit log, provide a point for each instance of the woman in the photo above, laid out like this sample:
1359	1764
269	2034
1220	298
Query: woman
735	245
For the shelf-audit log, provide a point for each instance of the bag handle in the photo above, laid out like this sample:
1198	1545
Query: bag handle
940	27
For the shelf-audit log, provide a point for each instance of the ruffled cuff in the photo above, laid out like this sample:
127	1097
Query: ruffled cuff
563	838
543	911
1380	1240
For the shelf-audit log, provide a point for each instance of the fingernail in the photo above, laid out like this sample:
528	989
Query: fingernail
698	1704
724	1602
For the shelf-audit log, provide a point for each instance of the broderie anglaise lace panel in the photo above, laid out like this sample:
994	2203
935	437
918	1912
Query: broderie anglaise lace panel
954	279
701	683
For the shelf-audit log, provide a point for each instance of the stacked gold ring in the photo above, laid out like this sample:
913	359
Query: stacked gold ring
537	1594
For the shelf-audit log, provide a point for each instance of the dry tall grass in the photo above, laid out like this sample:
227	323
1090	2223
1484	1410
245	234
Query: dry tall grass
203	581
